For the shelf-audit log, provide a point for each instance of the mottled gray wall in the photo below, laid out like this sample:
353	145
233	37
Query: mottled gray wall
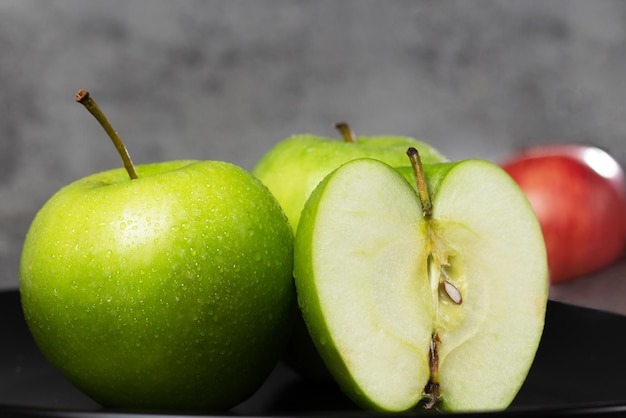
227	79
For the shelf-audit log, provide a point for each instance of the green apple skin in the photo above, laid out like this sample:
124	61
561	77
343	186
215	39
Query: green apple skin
368	266
173	291
294	166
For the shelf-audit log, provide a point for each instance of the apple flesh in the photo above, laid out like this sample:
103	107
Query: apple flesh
172	291
579	195
406	306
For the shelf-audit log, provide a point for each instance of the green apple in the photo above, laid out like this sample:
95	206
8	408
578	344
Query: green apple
171	290
294	166
434	298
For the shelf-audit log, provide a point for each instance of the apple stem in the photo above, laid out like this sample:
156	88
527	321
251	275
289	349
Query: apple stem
346	132
83	97
433	391
420	180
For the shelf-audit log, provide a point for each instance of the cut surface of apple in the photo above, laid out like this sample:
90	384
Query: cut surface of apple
445	309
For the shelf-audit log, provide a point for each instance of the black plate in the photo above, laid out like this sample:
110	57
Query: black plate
579	369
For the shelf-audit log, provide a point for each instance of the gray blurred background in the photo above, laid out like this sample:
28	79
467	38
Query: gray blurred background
228	79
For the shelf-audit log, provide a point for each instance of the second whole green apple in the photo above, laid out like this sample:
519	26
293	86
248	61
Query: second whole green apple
295	166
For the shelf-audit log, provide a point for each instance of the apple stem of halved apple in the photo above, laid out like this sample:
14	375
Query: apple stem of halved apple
346	132
83	97
420	179
433	390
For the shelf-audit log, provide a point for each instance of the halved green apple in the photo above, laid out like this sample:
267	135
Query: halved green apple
435	298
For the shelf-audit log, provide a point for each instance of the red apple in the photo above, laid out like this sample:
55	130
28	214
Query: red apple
579	196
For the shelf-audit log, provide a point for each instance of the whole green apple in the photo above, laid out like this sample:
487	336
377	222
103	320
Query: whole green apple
169	291
294	166
433	294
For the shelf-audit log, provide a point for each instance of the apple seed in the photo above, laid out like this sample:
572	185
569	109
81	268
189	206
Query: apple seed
452	292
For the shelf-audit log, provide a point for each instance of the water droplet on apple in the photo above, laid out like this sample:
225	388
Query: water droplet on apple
122	226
